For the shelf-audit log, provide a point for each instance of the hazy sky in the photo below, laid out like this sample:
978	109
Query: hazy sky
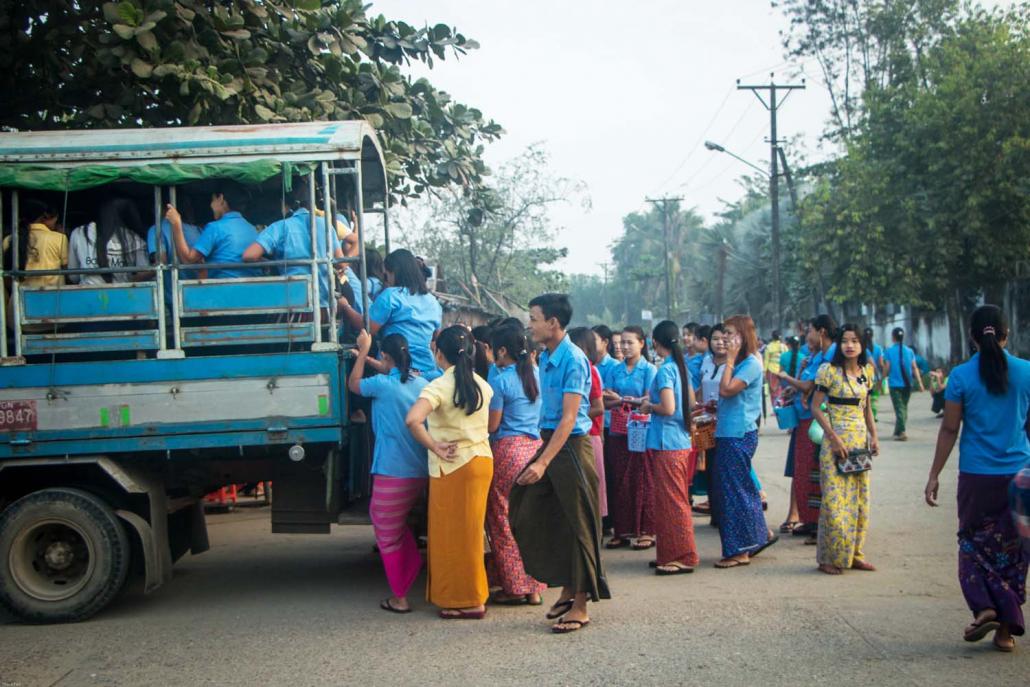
623	94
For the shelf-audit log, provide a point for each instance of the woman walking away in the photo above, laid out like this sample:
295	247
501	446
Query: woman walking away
711	375
398	462
670	401
989	398
849	441
899	365
822	331
633	509
456	404
736	499
874	353
586	340
515	439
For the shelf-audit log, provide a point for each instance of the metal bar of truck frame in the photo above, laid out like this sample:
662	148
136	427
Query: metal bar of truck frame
15	295
312	206
162	343
174	262
330	226
3	298
359	203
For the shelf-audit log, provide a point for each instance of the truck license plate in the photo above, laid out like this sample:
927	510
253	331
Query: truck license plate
18	416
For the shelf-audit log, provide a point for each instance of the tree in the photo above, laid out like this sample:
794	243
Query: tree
500	235
69	64
930	206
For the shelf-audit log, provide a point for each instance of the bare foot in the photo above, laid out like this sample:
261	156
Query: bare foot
830	569
1003	640
863	565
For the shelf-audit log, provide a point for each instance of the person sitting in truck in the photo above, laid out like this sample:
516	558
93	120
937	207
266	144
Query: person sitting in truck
290	239
223	241
165	250
112	241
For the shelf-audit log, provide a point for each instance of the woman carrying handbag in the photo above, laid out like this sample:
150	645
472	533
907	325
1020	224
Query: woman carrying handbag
849	443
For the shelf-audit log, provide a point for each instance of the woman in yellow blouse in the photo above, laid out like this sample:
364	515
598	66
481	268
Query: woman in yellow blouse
456	406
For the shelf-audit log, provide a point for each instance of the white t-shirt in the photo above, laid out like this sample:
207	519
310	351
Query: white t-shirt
711	376
82	254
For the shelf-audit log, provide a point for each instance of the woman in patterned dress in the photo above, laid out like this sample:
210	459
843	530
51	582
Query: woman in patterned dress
844	384
515	440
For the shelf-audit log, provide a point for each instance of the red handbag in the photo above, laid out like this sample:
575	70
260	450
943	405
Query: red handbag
620	420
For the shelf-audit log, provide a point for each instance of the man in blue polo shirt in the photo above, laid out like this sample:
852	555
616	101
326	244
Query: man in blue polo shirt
553	508
224	240
290	239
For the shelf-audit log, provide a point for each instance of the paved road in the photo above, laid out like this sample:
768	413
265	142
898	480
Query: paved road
301	610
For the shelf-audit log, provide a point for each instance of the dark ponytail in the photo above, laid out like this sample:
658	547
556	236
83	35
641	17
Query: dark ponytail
989	328
396	346
514	343
898	334
455	344
667	334
795	352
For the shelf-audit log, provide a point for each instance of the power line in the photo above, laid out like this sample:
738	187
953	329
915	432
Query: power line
693	149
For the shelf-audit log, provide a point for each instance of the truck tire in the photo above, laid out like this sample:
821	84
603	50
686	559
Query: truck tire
64	555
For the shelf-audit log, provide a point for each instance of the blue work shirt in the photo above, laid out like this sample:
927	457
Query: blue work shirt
566	370
519	415
396	453
414	316
993	440
190	232
635	383
875	358
604	368
738	414
375	287
290	239
667	432
808	373
694	369
355	284
899	355
225	240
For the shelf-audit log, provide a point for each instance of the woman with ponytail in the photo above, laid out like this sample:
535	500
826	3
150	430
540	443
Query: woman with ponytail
514	440
398	462
670	401
456	407
899	366
988	398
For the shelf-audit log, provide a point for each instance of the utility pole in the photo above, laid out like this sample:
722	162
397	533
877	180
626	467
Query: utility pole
774	176
665	242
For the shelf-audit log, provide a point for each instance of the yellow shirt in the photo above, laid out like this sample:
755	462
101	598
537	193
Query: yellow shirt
449	423
48	250
773	351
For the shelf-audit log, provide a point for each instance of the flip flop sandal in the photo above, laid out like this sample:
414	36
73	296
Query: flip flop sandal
731	563
644	547
513	601
387	606
982	630
559	609
788	526
579	625
772	540
617	543
676	570
1005	648
455	614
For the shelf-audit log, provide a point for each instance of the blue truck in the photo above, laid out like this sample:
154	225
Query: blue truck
123	402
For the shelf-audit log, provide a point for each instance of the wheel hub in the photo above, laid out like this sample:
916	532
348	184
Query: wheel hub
51	560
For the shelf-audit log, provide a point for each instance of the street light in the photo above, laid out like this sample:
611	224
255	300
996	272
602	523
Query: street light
719	149
773	191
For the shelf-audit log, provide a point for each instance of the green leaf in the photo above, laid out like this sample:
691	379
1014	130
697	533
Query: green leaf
399	110
147	40
141	69
265	113
309	5
128	13
124	32
238	34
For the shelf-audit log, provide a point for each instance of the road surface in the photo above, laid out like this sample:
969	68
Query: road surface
302	610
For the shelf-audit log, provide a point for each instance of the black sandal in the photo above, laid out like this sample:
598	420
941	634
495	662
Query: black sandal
617	543
387	606
559	609
773	538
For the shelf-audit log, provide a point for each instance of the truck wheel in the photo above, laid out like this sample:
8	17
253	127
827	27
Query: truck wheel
63	556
